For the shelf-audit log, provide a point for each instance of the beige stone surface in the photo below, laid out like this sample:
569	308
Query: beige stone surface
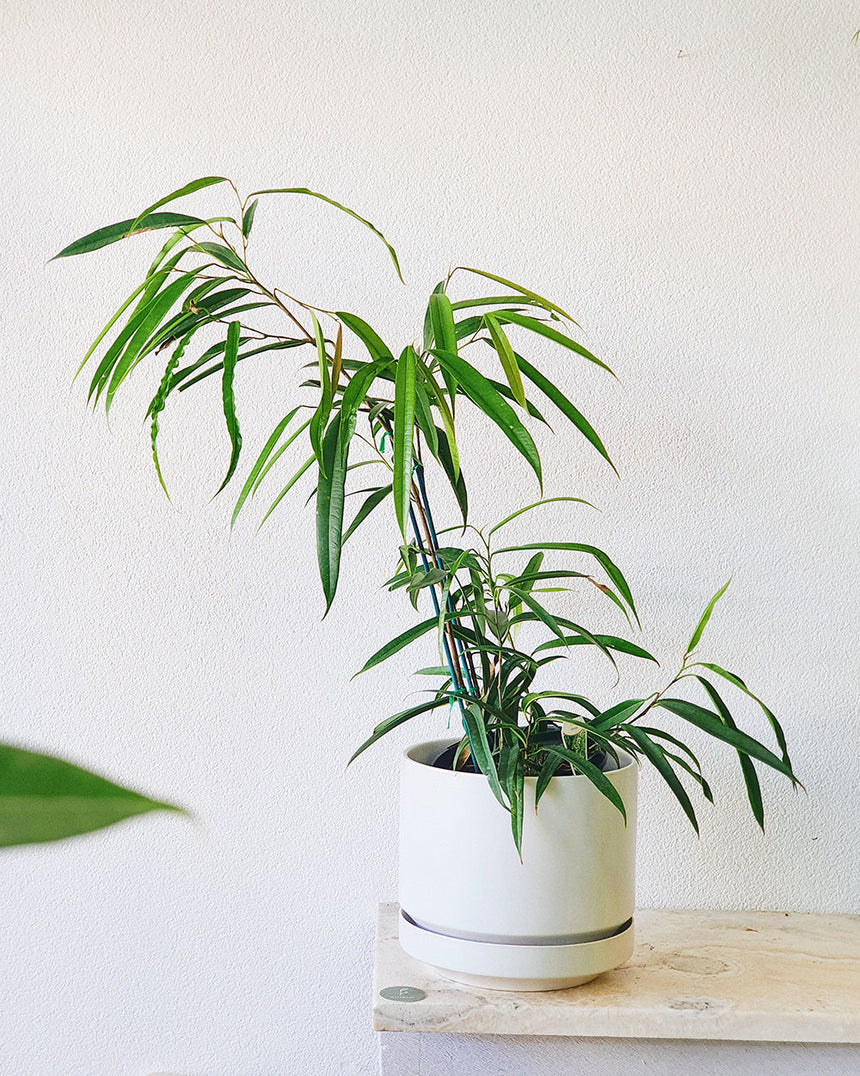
754	976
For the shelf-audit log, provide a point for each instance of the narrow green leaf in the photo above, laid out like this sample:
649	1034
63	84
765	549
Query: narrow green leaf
537	504
711	723
43	798
368	336
533	295
445	414
277	455
565	406
488	400
330	499
397	719
189	188
375	498
261	460
623	646
654	753
706	616
424	419
747	765
428	320
103	237
738	683
602	559
151	318
157	405
618	714
596	776
337	205
320	417
404	425
225	255
506	358
479	745
453	474
445	337
398	643
231	352
248	218
547	331
287	487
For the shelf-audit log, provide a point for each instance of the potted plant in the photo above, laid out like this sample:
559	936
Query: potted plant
518	833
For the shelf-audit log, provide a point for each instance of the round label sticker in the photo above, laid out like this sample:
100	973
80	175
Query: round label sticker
402	993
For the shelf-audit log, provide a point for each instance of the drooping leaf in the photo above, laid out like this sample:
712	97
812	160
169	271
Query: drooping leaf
565	406
368	336
738	683
488	400
623	646
751	780
330	499
654	753
542	329
337	205
506	358
43	798
713	725
597	777
397	719
157	405
537	504
533	295
479	745
231	352
602	559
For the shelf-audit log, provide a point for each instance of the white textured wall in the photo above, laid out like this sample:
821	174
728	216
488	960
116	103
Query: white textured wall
684	177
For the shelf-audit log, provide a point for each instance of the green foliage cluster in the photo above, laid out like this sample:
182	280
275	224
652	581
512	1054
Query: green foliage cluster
399	416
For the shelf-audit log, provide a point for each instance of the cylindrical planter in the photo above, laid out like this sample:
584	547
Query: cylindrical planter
477	914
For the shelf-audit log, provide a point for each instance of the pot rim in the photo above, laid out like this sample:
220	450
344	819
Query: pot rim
625	758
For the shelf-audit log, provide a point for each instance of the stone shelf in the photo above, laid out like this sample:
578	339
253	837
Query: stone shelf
752	976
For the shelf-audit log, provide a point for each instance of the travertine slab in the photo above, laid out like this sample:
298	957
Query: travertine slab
754	976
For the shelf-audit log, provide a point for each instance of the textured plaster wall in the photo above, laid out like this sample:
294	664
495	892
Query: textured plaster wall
684	177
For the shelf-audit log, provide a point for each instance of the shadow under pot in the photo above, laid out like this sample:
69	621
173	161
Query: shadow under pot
475	913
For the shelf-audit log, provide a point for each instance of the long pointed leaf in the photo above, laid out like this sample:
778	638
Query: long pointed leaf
189	188
711	723
103	237
231	352
654	753
337	205
706	616
506	358
488	400
404	425
542	329
751	780
330	499
261	460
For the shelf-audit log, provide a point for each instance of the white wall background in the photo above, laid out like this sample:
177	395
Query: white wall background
684	177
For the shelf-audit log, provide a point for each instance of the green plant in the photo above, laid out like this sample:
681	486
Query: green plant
409	408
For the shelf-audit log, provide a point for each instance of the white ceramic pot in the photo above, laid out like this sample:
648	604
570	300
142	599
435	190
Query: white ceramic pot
472	910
